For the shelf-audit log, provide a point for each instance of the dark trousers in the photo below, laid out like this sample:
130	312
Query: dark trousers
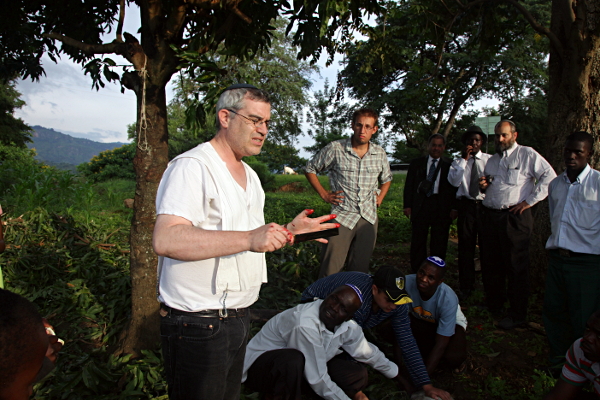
469	229
429	217
280	374
572	295
425	334
204	357
355	245
505	258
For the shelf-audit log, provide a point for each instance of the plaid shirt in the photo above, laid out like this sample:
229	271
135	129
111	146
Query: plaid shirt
358	179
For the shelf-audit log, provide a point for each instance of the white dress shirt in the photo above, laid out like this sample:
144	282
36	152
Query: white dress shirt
436	187
460	174
514	178
300	328
575	212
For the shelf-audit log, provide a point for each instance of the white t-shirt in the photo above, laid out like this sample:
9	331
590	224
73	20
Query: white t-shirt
188	190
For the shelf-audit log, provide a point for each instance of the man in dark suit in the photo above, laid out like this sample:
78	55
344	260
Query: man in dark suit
428	201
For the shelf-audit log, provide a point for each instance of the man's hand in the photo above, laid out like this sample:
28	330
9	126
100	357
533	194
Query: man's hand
333	197
435	393
303	224
483	184
453	214
519	208
54	343
269	237
467	152
360	396
407	212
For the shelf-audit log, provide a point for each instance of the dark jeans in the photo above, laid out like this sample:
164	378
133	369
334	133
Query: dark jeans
469	228
204	357
430	217
280	374
425	334
505	259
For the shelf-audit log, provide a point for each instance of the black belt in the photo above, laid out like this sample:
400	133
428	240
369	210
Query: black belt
496	210
220	313
569	253
464	198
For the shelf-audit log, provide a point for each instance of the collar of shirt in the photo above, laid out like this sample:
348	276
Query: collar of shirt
349	149
509	151
430	159
478	155
580	177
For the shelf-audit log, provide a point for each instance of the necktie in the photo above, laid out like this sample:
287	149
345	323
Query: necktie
430	177
474	184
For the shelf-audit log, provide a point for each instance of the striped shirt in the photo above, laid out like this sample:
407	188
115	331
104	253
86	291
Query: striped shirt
358	179
578	370
365	318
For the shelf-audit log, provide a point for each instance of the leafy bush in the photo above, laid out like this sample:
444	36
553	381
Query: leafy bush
267	179
110	164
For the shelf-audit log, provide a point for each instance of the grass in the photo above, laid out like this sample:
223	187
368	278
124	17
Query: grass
68	252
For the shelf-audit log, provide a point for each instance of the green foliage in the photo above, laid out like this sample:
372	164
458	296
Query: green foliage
276	156
267	179
110	164
423	63
328	118
12	130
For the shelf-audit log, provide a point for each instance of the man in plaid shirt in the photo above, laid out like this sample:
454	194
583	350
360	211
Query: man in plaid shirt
359	177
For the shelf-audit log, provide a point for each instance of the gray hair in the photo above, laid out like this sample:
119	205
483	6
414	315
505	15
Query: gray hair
234	99
513	127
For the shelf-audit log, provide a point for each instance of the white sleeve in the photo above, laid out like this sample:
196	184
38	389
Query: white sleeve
457	170
357	346
544	174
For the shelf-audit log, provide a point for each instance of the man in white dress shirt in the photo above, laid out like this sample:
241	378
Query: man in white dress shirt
515	179
464	174
573	279
211	237
317	342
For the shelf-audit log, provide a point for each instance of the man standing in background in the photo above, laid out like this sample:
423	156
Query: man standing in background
573	279
464	174
428	201
359	176
515	179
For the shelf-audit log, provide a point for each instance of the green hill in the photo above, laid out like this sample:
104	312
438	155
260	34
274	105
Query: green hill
64	151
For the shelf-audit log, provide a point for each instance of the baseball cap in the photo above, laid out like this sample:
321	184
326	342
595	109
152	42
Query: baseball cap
393	283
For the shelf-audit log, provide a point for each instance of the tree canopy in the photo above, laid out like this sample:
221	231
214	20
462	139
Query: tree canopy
424	61
13	131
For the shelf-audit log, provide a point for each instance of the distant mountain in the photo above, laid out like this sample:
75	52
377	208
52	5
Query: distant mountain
60	150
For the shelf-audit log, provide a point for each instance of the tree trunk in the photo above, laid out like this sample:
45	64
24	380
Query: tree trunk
150	162
574	96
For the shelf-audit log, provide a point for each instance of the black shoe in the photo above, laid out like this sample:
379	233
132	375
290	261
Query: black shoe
509	323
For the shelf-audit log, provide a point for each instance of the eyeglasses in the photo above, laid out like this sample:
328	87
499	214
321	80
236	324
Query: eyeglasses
258	123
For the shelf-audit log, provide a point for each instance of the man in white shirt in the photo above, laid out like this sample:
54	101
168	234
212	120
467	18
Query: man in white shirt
573	278
515	179
318	342
464	174
211	237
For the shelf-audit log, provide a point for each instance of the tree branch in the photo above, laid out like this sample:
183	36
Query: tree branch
121	19
109	48
537	27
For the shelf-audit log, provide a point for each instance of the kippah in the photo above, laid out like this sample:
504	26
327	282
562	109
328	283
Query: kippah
240	86
357	290
437	261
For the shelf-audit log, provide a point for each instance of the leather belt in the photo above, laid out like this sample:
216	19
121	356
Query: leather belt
464	198
220	313
569	253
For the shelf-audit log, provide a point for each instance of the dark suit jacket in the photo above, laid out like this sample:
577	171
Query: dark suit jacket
417	171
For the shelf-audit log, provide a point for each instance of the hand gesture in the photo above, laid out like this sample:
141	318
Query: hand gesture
269	237
467	152
303	224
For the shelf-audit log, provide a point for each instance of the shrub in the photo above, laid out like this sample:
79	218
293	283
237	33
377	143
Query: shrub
267	179
110	164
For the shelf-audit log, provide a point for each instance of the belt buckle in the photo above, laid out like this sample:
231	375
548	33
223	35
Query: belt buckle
564	252
223	313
